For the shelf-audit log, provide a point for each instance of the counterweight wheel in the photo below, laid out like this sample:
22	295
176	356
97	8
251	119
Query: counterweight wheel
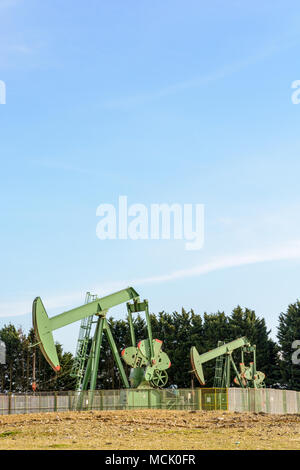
159	379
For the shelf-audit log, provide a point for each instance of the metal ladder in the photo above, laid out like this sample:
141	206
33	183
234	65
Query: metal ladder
218	378
82	345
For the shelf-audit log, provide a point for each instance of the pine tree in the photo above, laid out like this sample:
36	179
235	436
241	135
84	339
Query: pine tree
245	322
288	333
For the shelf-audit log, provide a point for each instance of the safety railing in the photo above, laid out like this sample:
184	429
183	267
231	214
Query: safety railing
232	399
124	399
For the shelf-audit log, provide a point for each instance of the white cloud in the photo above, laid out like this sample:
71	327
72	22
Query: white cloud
8	3
268	50
288	251
12	309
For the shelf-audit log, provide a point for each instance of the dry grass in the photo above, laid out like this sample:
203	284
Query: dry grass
149	430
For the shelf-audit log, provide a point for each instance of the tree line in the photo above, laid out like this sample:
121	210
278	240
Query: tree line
25	364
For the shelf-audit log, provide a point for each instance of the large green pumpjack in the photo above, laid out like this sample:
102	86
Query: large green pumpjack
147	361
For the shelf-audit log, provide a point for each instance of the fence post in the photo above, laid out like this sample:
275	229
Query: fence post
284	404
199	399
9	402
298	401
55	401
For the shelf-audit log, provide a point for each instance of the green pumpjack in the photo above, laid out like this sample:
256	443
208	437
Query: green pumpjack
246	377
147	361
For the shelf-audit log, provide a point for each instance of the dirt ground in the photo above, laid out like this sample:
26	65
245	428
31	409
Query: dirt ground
149	430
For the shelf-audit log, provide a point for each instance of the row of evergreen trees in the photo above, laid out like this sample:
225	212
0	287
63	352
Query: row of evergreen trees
179	331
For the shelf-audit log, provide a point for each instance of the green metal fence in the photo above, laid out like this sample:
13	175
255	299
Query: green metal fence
265	400
232	399
125	399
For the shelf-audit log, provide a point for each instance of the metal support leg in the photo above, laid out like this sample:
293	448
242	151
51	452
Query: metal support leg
96	353
116	354
132	333
227	368
236	372
149	329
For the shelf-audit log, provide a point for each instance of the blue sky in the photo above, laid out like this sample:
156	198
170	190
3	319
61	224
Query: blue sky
164	102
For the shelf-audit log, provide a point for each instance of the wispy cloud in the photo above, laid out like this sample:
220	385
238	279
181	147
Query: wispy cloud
12	309
225	71
8	3
20	49
288	251
54	164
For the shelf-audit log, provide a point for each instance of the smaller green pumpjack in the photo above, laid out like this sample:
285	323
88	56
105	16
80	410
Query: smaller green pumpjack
246	377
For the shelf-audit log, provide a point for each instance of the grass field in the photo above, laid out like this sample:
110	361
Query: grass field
149	430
